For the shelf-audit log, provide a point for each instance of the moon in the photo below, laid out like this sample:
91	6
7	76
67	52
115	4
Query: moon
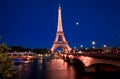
77	23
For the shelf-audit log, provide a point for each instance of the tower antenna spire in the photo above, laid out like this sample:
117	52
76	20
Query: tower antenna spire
59	19
59	4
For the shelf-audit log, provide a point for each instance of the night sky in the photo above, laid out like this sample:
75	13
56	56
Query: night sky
33	23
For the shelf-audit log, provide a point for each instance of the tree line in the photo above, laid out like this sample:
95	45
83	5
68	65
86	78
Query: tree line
22	49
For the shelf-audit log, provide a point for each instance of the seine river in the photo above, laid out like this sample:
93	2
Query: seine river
56	69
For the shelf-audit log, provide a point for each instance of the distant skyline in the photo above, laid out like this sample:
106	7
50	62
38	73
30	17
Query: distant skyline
33	23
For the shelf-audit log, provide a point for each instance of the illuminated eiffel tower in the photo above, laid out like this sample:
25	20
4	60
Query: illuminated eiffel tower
60	41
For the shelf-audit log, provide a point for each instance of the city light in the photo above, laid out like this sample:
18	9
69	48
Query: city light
81	46
104	45
93	44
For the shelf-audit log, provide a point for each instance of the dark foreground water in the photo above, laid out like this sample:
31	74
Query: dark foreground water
57	69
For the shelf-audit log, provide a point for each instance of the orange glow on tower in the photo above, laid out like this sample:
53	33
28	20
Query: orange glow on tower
60	41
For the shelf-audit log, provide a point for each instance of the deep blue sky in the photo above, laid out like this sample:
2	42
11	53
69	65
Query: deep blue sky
33	23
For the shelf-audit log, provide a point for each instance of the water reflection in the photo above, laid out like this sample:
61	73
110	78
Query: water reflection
55	69
41	69
58	69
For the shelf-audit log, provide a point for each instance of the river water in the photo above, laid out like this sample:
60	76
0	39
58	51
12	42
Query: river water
56	69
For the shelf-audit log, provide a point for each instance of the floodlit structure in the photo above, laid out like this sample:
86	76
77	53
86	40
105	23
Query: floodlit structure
60	41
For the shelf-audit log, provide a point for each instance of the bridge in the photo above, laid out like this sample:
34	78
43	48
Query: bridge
91	63
21	55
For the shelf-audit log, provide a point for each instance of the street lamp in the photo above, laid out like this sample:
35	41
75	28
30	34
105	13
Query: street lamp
81	46
74	50
86	48
104	45
74	47
93	44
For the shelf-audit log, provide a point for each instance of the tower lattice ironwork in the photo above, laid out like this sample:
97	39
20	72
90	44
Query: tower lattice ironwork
60	41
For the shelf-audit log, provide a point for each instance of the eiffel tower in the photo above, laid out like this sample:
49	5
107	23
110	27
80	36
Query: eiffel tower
60	41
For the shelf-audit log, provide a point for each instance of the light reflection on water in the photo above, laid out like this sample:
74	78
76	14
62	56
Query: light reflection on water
58	69
41	69
52	69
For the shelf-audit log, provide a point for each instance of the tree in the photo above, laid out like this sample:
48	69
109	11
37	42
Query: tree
17	48
40	51
28	49
5	62
37	51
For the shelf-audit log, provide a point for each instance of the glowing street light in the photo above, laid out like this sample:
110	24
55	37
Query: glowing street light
93	44
81	46
86	48
104	45
74	47
74	50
